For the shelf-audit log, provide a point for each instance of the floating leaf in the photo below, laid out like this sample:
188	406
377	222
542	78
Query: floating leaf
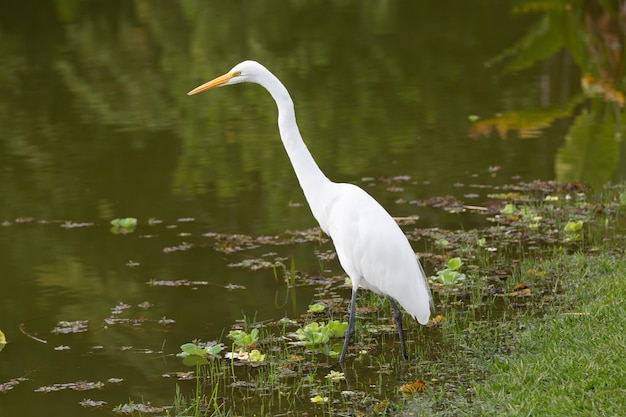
337	328
231	287
438	318
214	349
181	376
76	386
317	333
509	209
316	308
119	307
253	264
7	386
182	247
132	409
313	334
520	290
91	403
64	327
176	283
442	243
193	349
417	386
574	227
243	339
450	276
454	263
62	347
318	399
335	376
124	225
72	225
195	360
252	356
256	356
3	341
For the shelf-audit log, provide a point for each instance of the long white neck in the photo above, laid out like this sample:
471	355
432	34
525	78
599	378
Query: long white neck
312	180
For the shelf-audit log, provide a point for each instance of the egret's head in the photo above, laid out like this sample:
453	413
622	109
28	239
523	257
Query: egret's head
246	71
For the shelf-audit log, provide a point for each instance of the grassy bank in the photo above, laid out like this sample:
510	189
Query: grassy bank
572	361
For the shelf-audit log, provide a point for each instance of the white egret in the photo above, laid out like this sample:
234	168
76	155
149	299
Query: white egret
371	247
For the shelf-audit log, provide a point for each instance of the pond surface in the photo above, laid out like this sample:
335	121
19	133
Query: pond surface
95	124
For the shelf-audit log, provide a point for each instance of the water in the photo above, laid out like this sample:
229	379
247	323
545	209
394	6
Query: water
95	124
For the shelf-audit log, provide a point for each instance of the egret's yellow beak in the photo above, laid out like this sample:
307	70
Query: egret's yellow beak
221	80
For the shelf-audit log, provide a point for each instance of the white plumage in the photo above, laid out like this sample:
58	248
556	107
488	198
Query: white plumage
370	245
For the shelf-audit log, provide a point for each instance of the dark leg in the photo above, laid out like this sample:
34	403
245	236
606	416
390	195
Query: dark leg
398	316
350	330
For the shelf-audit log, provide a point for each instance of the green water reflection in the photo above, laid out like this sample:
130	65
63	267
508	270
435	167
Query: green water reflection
95	124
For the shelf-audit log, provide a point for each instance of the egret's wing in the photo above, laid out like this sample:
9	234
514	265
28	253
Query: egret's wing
374	251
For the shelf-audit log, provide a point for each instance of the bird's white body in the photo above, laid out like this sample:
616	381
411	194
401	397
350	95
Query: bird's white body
374	251
371	247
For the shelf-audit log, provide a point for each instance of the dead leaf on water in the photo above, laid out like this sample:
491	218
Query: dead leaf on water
448	203
252	264
124	320
181	376
438	319
182	247
65	327
176	283
9	385
76	386
132	409
62	347
86	402
231	287
417	386
520	290
72	225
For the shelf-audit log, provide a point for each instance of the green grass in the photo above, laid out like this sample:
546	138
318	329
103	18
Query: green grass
572	362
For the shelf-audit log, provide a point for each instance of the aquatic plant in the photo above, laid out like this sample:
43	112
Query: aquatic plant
451	274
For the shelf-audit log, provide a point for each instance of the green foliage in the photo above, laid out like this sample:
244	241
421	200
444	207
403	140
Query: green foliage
509	208
124	225
318	334
194	354
244	340
574	227
570	363
442	243
316	308
451	275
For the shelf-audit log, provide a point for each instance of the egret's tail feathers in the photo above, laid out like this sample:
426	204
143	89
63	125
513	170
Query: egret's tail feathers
416	298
